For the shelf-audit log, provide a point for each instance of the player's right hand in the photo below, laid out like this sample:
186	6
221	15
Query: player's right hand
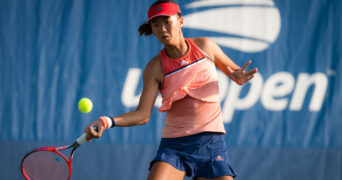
94	132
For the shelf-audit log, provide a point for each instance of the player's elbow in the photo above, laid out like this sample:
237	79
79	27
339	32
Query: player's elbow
145	120
145	117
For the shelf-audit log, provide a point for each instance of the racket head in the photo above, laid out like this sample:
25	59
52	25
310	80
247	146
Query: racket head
46	163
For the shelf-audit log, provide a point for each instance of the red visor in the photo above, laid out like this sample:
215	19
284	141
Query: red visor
163	9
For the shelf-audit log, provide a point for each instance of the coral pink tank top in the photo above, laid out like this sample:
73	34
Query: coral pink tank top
190	94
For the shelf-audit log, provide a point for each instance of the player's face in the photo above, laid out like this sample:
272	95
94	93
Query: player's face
166	28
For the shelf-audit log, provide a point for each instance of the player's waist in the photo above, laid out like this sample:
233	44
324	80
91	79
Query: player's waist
189	115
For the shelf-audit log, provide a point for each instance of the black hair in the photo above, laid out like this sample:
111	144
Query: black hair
145	27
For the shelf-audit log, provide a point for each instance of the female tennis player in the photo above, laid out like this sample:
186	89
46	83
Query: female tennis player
184	72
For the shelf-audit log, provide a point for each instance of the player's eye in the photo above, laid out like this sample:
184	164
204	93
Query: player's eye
155	25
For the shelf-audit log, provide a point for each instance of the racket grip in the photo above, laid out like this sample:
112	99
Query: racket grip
82	139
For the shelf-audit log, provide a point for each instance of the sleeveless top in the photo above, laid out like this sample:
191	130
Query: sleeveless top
190	94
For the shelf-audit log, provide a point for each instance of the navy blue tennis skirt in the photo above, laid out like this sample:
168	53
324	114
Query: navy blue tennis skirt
200	155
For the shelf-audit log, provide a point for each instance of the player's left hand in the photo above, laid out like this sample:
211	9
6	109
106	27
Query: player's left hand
241	76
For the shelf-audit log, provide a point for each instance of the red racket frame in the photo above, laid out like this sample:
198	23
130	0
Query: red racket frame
54	150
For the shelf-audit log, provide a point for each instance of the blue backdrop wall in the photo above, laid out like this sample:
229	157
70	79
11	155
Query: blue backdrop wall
285	124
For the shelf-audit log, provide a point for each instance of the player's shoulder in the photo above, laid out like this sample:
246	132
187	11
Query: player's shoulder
203	42
154	68
155	62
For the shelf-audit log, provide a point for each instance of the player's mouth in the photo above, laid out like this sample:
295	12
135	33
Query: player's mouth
165	37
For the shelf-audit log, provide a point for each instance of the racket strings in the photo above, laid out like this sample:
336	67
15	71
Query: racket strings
46	165
29	174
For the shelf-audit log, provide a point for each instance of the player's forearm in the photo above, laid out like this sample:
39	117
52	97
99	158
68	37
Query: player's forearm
132	118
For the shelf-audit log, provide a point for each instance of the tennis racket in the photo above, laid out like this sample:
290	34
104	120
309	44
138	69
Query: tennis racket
49	163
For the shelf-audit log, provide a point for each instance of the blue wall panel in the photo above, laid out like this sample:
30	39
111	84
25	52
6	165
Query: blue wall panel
285	124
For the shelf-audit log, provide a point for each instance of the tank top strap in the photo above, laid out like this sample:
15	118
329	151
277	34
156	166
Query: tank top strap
194	53
198	49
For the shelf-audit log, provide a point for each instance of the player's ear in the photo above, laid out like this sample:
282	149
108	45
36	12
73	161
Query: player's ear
181	21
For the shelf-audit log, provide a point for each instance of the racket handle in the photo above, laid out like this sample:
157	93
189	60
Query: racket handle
82	139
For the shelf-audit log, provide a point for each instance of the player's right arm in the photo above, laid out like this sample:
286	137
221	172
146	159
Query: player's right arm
152	78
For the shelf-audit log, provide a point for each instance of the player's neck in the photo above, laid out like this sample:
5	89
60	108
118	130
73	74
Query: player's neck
178	50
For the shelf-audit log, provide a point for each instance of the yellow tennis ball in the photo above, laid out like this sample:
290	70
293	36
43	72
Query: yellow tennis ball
85	105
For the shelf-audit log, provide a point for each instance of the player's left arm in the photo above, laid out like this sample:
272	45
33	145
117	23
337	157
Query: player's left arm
224	63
